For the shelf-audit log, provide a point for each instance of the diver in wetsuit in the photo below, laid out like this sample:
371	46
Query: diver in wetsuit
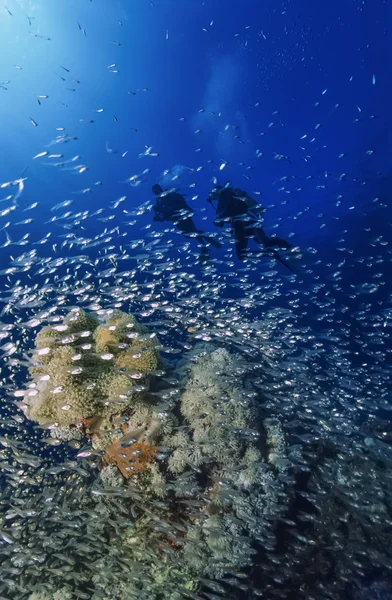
236	207
171	206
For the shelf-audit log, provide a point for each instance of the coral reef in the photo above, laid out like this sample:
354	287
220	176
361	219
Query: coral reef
83	369
130	460
223	447
66	434
194	479
110	476
61	594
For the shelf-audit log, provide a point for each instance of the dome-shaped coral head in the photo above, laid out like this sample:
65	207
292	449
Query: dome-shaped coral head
119	329
78	321
75	331
133	348
82	370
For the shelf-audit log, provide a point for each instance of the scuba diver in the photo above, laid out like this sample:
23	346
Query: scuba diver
172	206
236	207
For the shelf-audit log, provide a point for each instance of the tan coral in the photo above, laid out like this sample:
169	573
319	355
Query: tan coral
140	358
78	320
105	338
72	377
115	331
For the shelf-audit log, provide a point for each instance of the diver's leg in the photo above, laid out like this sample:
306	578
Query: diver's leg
260	236
284	262
241	238
204	255
187	226
277	242
211	240
269	242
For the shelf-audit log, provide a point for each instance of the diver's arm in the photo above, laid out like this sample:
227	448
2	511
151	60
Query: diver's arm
217	221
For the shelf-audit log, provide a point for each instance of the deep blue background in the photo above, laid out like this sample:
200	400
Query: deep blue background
265	74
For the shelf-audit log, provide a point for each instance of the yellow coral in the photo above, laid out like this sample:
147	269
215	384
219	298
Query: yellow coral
52	364
74	381
46	337
140	357
78	320
105	337
46	341
115	388
115	331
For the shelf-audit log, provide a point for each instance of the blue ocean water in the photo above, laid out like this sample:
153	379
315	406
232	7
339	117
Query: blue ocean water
287	100
272	72
257	80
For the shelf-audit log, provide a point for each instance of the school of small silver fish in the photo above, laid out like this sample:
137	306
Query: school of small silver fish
256	460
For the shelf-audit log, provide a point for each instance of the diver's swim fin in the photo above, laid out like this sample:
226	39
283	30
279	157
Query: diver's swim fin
204	256
208	239
284	262
214	242
271	252
276	242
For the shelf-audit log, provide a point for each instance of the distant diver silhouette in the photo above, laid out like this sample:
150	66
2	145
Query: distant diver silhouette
242	213
172	206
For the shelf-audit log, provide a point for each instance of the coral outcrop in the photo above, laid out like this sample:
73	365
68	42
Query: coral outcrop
82	369
193	470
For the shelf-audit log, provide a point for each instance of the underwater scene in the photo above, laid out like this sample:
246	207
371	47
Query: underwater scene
195	300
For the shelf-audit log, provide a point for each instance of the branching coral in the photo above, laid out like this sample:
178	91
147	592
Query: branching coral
218	413
41	596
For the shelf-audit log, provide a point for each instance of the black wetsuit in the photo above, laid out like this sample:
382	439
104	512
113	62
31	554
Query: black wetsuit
240	211
173	207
